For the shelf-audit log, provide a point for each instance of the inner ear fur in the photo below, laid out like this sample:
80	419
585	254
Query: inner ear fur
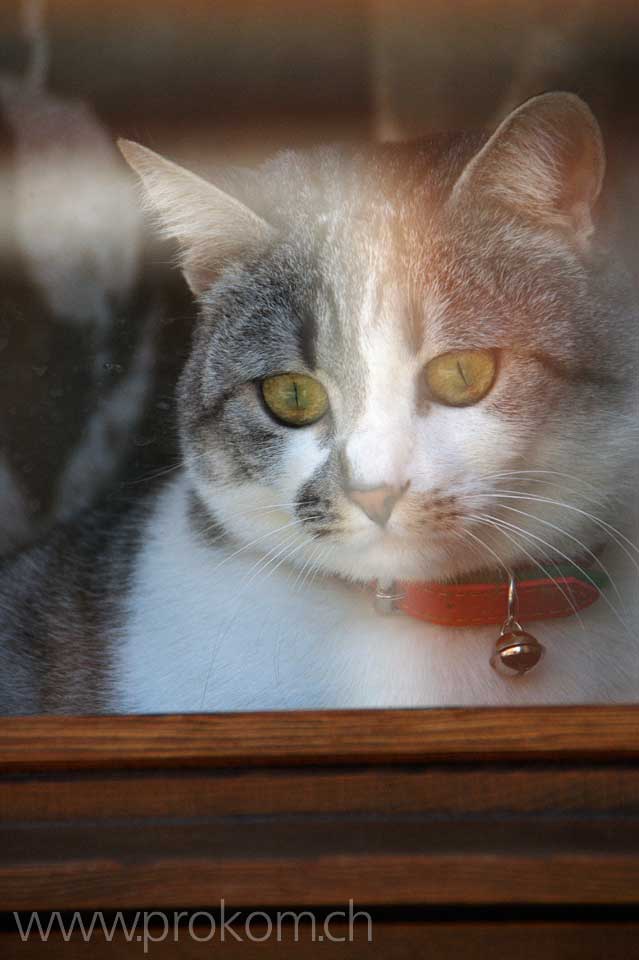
546	159
211	227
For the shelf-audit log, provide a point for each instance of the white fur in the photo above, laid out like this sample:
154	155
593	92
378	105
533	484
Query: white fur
205	632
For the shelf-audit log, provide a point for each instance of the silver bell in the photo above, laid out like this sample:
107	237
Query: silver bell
516	652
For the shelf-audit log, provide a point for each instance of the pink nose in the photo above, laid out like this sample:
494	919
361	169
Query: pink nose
377	502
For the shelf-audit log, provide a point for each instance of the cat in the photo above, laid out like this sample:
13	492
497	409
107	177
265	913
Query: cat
413	362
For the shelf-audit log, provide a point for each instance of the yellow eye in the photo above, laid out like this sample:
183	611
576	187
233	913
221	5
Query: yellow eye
461	377
295	399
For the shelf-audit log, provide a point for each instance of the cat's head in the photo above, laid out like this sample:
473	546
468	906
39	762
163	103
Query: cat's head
407	356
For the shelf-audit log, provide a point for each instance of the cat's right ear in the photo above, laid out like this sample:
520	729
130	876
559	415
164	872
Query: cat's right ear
545	159
211	227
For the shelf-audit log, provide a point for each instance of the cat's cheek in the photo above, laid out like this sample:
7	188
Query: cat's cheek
455	445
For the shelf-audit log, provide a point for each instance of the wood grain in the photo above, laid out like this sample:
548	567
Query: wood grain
328	737
487	789
319	861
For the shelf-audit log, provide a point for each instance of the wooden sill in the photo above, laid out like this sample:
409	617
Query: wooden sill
404	808
319	737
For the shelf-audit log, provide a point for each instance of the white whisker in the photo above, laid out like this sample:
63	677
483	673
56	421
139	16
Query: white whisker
265	559
614	532
260	539
251	511
587	550
569	560
490	521
313	553
483	544
316	567
272	557
565	489
525	473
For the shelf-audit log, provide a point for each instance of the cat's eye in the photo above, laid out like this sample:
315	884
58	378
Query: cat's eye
461	377
295	399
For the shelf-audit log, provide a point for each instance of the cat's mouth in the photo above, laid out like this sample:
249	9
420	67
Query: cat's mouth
392	552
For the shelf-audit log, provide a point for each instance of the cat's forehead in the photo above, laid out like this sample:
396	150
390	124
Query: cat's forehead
369	250
413	278
446	279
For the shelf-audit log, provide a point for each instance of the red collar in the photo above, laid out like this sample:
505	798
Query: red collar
484	603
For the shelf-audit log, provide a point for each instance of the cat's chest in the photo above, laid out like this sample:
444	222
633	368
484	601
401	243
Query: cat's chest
207	630
235	642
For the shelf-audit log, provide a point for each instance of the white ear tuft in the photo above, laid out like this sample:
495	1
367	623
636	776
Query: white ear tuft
546	158
210	226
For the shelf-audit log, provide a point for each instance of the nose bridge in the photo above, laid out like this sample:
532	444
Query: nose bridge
377	454
379	446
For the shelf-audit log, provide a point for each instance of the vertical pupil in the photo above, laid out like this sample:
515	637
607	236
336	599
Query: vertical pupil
296	395
462	374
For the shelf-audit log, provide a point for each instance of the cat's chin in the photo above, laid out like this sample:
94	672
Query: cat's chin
384	563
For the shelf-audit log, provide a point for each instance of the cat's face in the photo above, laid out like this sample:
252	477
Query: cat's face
376	370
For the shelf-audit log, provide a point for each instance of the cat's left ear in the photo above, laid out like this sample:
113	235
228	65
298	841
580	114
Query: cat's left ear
546	159
211	227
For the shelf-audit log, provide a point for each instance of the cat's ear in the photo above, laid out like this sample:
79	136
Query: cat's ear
546	158
211	227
